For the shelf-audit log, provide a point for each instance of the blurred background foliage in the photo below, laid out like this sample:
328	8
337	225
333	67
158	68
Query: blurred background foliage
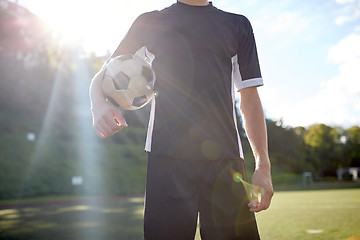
44	91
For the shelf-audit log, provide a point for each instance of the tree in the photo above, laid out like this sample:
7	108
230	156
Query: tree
324	148
352	146
26	47
286	147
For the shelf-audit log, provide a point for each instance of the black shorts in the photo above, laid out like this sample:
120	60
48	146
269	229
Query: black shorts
177	190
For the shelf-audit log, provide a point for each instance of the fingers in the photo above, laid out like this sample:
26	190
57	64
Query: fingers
255	197
264	193
263	204
109	122
105	131
119	119
266	200
99	133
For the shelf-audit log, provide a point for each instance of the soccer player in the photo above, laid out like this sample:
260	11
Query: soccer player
200	55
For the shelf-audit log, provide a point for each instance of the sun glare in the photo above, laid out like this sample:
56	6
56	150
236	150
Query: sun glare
72	20
94	25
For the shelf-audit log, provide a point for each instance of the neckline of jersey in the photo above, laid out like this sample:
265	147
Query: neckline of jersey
188	7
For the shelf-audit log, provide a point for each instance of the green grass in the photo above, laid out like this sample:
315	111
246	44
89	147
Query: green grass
334	213
333	185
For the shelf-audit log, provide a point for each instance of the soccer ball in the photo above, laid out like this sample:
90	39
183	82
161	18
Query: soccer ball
128	82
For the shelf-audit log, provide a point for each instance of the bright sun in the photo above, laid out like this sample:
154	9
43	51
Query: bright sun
95	25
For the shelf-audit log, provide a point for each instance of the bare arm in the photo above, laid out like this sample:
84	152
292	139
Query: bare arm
255	127
107	119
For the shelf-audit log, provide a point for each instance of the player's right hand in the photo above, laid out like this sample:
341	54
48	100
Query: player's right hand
107	120
262	179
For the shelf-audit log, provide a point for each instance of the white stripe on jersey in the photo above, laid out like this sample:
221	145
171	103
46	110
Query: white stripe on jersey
234	113
237	79
150	126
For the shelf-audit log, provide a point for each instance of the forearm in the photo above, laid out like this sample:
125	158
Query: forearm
255	126
96	94
107	119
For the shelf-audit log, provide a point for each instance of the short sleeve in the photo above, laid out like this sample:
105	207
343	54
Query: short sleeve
246	61
134	39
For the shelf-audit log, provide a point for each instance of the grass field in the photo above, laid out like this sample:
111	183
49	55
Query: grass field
320	214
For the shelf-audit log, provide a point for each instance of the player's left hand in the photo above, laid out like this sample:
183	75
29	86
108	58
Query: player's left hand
262	179
107	120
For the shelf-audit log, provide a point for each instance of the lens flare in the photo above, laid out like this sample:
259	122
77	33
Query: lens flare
253	192
237	177
210	150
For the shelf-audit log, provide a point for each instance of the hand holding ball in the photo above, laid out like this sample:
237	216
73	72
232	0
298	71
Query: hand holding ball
128	82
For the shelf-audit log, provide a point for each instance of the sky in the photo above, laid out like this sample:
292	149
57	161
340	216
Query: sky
309	51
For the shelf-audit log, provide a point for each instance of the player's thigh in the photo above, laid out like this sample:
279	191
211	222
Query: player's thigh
224	213
171	204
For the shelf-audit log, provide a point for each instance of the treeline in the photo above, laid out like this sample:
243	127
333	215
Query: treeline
319	149
46	137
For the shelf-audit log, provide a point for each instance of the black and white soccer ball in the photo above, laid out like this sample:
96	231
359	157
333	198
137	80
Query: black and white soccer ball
128	82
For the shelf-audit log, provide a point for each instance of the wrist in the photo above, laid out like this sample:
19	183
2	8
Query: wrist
97	103
262	162
263	167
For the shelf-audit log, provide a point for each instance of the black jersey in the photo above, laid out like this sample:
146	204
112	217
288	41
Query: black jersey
200	54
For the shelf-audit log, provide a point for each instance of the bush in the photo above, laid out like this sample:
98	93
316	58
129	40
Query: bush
46	166
286	179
